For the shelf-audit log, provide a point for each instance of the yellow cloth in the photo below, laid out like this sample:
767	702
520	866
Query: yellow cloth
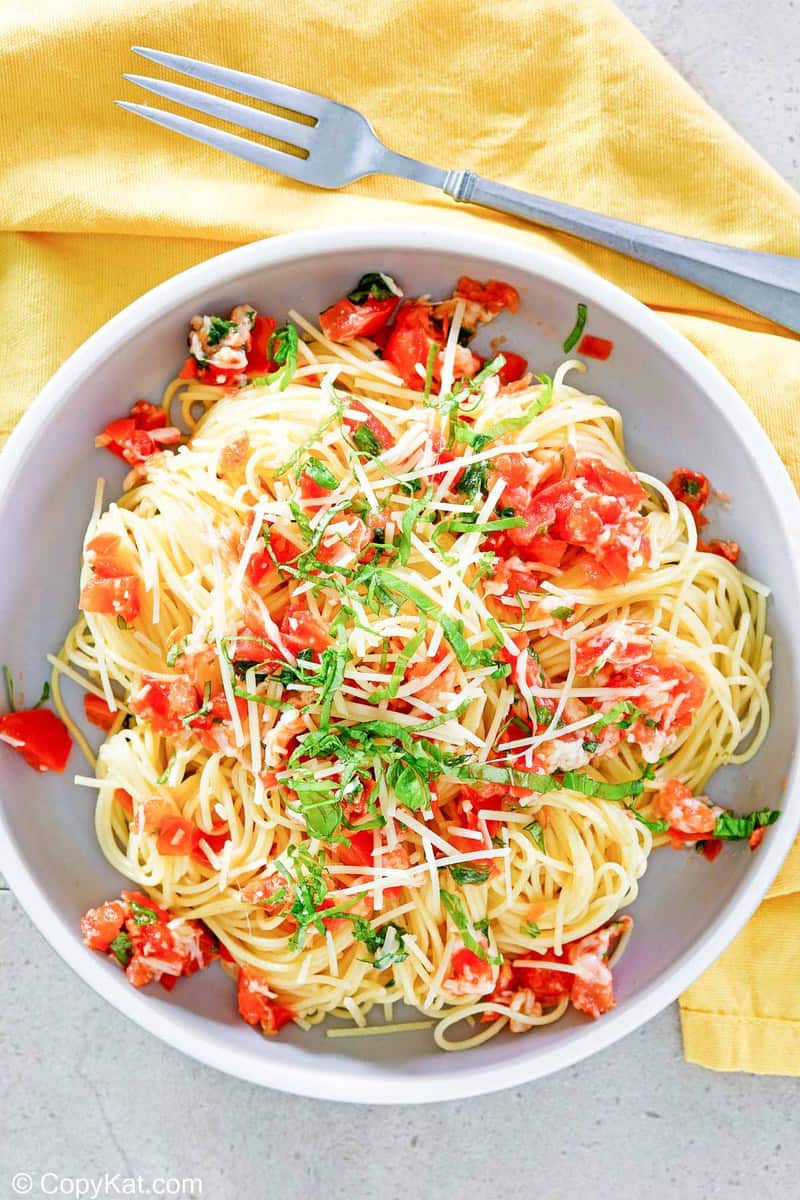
561	98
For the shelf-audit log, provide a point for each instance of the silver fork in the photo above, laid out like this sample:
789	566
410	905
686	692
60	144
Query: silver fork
341	146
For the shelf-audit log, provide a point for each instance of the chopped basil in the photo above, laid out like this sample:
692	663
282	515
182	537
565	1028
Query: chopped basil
164	776
562	613
731	828
690	486
203	710
462	873
44	696
218	328
573	336
375	286
536	834
532	929
9	682
143	915
175	652
622	715
384	944
473	482
465	927
316	470
283	351
122	949
365	441
123	624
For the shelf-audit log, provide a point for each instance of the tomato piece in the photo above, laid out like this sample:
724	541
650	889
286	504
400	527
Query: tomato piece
729	550
176	836
257	1006
99	926
144	901
547	984
190	368
359	852
595	347
409	343
377	428
124	800
687	814
469	974
262	891
494	296
136	437
310	489
692	488
39	736
514	367
108	558
345	320
258	359
621	643
301	630
165	704
712	847
112	597
98	712
216	841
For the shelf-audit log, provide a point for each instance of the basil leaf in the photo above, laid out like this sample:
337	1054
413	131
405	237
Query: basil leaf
562	613
731	828
218	328
143	915
316	470
365	441
536	834
622	715
465	874
462	923
376	286
283	351
531	928
9	682
473	482
122	949
574	335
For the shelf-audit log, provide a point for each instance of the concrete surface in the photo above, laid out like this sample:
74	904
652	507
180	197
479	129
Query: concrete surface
85	1093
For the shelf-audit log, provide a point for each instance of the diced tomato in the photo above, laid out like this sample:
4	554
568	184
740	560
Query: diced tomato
514	367
547	984
136	437
671	692
262	891
144	901
595	347
216	840
593	986
729	550
258	360
119	597
301	630
280	550
346	320
494	296
124	800
409	342
257	1006
687	814
176	836
359	852
620	644
712	848
190	368
468	974
39	736
693	489
99	926
165	704
756	838
377	428
108	558
138	973
98	712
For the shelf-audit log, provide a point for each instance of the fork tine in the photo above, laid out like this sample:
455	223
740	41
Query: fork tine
238	81
291	132
263	156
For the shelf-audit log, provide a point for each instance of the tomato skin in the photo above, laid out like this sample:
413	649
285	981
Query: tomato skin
176	836
513	369
258	360
98	712
345	320
44	741
377	428
595	347
256	1008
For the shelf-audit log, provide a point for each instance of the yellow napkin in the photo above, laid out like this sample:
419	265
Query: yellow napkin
561	98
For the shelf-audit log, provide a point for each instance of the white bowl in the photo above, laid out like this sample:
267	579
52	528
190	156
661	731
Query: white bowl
678	412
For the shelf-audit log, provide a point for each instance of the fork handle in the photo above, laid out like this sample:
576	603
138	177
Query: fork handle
765	283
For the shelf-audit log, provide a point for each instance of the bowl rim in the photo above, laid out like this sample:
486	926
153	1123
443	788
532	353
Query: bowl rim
325	1079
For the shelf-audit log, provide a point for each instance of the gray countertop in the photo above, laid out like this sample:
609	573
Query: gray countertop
85	1092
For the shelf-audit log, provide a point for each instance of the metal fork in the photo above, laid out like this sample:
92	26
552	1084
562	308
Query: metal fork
341	146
